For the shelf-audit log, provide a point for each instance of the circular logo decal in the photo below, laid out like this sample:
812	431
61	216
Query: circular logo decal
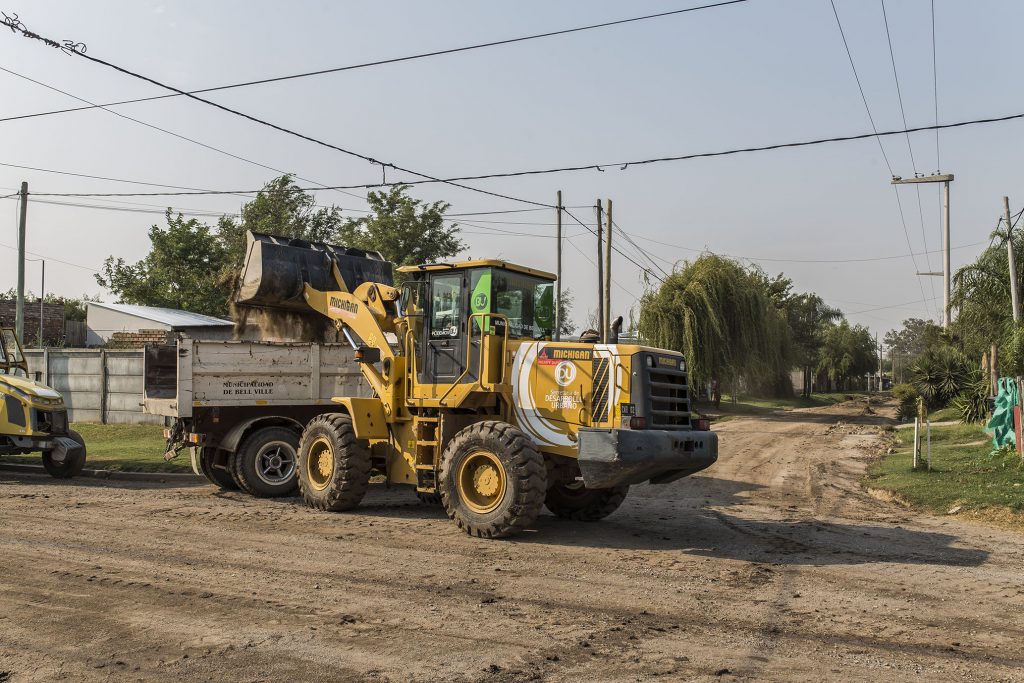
565	373
480	302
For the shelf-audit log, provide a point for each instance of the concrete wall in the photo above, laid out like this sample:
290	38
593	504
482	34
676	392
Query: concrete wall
97	385
103	322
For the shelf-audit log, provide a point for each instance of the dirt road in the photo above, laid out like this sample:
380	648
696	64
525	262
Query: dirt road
772	565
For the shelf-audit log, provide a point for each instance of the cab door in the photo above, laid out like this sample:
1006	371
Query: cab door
446	328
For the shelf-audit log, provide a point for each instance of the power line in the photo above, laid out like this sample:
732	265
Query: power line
871	119
639	250
50	258
782	260
860	87
393	60
623	165
78	50
172	133
935	90
593	263
614	247
910	148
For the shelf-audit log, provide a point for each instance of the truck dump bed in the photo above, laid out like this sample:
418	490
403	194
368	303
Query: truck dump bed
198	374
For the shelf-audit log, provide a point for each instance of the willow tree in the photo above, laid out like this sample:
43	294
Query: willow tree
722	319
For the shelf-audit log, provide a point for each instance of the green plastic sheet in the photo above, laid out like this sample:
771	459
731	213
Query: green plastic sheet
1000	425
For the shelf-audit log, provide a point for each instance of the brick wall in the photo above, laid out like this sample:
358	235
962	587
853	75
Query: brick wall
137	340
53	320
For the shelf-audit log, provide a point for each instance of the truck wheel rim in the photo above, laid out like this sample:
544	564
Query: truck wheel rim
275	463
320	464
481	481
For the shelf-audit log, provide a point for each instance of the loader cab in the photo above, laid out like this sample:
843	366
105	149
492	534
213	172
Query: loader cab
452	303
12	360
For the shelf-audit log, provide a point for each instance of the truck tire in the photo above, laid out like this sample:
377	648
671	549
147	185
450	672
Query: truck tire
218	476
333	465
575	501
265	463
492	480
71	466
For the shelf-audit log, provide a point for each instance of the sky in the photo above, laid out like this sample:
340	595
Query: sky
754	73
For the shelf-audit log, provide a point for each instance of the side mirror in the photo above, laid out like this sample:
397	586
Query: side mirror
39	376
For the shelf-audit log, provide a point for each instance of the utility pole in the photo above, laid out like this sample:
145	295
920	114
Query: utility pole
19	316
879	347
1014	296
558	268
42	295
606	297
600	274
946	289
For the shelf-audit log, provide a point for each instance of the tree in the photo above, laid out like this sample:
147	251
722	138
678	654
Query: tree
981	297
281	208
721	317
181	270
74	309
847	351
808	316
566	326
406	231
913	339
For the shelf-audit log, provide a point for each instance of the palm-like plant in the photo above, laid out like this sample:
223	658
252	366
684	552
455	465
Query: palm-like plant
940	374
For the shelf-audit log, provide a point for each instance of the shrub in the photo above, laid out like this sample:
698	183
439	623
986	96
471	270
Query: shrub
972	403
940	374
906	395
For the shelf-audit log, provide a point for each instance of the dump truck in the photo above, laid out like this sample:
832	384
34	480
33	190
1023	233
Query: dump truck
239	407
473	400
33	418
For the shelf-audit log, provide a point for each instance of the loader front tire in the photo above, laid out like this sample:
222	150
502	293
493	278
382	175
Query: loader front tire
574	501
71	466
333	465
492	480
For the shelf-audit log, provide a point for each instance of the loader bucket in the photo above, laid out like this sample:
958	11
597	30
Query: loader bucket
276	268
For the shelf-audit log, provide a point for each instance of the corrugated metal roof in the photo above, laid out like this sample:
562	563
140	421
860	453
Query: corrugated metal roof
166	316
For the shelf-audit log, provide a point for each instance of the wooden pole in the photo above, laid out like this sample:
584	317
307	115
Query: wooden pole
19	311
606	297
946	289
1014	296
600	273
558	268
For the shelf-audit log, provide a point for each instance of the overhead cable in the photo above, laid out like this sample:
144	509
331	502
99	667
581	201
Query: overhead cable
393	60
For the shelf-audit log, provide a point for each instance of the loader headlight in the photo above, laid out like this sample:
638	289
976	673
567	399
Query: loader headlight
20	394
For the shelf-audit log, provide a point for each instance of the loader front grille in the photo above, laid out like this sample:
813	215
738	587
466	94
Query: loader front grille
601	387
668	396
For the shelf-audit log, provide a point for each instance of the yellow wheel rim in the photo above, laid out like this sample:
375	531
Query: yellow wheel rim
320	464
482	482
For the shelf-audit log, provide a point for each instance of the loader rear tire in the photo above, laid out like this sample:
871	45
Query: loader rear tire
492	480
218	476
71	466
575	501
333	465
265	463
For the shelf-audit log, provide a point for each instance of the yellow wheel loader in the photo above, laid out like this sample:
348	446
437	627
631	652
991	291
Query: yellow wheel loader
472	400
32	415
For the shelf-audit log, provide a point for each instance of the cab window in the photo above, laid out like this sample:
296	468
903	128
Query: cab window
446	307
10	350
526	301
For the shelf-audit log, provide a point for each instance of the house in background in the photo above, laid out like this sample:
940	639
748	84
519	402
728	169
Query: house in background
128	325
